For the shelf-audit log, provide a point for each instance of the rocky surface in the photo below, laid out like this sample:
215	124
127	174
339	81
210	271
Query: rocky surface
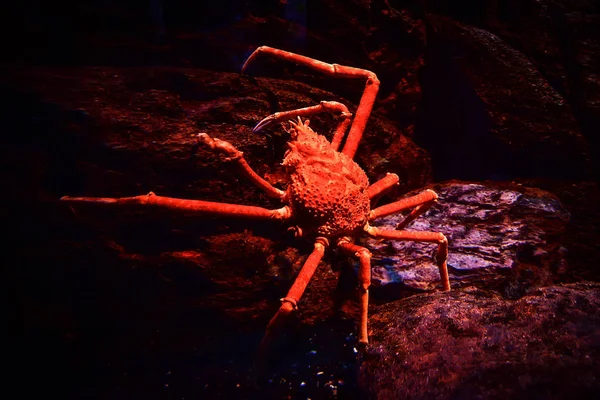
560	38
433	58
129	304
475	344
506	237
525	120
120	132
142	123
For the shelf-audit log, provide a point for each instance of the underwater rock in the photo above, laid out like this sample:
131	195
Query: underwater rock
127	131
559	37
516	125
477	345
499	235
157	306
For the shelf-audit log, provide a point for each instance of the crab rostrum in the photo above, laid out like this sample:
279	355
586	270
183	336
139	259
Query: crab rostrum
328	195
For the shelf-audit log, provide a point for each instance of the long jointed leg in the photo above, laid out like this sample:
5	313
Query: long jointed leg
382	185
423	202
324	106
431	237
232	154
288	304
366	102
184	205
364	281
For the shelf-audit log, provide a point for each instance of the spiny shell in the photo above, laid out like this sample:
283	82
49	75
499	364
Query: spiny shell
327	190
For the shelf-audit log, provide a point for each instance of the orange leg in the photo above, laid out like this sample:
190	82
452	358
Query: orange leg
193	206
423	202
364	281
330	106
366	102
233	154
431	237
382	185
288	304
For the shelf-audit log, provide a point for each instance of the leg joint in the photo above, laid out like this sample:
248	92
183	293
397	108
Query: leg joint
336	106
147	199
372	79
321	242
443	239
370	230
364	253
344	240
433	194
282	213
291	301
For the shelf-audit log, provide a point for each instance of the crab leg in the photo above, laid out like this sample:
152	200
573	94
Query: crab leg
366	102
431	237
423	202
289	303
233	154
331	106
382	185
364	281
194	206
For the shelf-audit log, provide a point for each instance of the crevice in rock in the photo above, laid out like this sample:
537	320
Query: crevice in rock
589	122
453	123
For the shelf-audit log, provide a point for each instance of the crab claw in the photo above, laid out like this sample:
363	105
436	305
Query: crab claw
267	121
280	117
220	146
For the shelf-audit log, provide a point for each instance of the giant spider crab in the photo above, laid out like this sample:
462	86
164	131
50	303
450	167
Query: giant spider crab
328	195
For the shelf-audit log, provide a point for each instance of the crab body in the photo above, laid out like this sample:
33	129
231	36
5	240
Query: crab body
327	190
328	195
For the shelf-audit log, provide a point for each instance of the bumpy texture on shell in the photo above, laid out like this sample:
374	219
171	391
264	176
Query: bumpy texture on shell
327	190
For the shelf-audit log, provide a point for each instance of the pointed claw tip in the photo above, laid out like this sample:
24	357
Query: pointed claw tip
245	65
262	124
259	127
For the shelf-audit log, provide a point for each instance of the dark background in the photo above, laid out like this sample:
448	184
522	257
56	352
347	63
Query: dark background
440	87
